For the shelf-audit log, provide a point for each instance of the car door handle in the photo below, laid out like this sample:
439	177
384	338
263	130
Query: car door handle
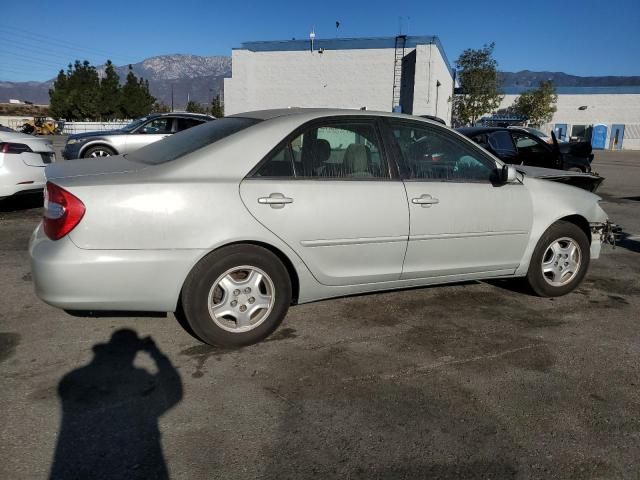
425	200
275	200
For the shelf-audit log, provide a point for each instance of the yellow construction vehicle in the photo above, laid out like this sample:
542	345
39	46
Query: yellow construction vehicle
41	126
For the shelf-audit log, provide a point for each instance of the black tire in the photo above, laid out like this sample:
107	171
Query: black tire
95	152
539	281
198	286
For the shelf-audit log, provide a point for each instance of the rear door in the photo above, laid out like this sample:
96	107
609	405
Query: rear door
534	152
502	144
462	221
327	192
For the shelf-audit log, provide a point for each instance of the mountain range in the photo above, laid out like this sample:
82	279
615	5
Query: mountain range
190	77
527	78
200	78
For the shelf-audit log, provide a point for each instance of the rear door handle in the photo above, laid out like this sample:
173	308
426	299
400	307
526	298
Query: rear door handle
275	200
425	200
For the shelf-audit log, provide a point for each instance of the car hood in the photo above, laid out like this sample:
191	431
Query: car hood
586	181
89	166
103	133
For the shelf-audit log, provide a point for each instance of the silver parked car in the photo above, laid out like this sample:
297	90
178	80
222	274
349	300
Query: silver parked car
233	221
137	134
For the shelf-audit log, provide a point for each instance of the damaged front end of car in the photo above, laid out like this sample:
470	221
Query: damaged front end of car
607	233
586	181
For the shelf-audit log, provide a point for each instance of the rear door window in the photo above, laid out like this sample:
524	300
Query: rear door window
349	149
501	143
184	123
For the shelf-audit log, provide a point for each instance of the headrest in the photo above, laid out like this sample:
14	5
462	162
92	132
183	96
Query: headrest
322	150
356	158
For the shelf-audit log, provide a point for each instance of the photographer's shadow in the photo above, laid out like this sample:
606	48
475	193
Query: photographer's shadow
110	412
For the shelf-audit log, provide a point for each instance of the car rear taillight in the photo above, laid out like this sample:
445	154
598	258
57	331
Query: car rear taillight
62	211
8	147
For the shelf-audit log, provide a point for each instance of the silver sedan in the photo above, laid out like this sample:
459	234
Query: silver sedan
232	222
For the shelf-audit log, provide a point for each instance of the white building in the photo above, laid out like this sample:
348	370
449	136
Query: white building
580	109
406	72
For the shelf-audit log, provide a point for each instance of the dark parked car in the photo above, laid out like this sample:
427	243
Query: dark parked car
137	134
518	146
537	157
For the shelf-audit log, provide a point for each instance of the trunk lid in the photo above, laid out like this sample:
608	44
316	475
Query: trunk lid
89	166
42	151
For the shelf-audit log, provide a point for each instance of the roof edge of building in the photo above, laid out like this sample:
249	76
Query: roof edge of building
338	43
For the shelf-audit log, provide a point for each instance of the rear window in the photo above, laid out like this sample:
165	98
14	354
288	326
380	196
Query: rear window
182	143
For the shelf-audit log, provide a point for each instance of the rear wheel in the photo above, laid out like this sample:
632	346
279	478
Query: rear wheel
559	261
236	296
98	151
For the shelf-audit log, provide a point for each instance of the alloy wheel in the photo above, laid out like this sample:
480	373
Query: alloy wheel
241	299
99	153
561	261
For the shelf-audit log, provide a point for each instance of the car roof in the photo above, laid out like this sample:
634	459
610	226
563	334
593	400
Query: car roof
476	130
305	114
180	114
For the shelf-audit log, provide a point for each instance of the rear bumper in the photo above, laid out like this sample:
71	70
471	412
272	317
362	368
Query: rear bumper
72	278
16	176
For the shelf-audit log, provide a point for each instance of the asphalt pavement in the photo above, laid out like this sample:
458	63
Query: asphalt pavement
474	380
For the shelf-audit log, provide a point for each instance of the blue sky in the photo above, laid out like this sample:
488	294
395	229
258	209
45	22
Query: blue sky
37	38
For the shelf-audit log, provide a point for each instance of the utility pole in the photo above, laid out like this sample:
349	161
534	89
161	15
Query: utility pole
172	97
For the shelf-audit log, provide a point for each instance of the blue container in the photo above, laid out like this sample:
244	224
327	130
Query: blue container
599	137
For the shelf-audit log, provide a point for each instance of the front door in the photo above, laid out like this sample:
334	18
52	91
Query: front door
461	221
617	134
326	191
152	131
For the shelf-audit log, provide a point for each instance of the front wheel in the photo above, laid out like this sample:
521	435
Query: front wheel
559	261
236	296
98	151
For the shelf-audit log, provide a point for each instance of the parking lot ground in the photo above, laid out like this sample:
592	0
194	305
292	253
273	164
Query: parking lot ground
475	380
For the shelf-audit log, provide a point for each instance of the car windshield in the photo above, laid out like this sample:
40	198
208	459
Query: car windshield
133	125
537	133
188	141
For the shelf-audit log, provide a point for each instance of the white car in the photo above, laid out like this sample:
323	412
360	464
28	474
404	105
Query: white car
22	161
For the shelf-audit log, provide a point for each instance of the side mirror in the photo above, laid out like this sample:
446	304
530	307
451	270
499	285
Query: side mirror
509	174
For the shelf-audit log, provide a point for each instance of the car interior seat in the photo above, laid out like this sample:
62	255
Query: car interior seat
357	160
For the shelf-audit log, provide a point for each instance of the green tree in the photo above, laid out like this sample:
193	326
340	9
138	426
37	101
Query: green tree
160	107
537	105
110	93
58	97
136	101
195	107
217	107
76	94
478	79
